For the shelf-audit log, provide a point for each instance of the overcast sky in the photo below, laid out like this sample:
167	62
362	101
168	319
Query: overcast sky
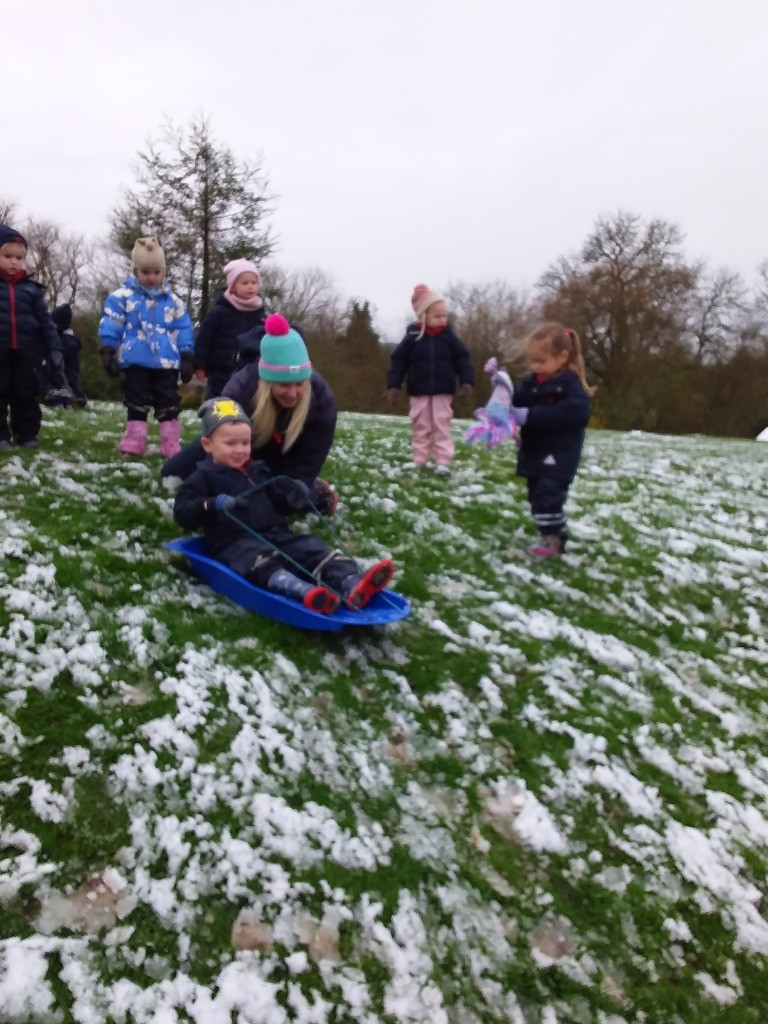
411	140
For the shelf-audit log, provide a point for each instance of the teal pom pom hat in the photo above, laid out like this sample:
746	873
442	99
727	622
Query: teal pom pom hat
284	357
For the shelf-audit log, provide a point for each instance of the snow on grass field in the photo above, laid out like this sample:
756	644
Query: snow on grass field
542	798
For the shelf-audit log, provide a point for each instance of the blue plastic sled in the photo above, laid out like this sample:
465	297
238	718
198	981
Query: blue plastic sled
385	607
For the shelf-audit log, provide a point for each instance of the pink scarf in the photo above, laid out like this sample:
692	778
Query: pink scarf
244	305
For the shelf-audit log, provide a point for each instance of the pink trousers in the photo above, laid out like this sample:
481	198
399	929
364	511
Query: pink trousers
431	428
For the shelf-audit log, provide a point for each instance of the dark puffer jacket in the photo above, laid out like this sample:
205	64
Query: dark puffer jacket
553	436
25	322
263	511
432	362
216	346
305	459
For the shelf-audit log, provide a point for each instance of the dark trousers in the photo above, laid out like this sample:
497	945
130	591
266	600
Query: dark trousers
547	498
72	373
217	381
145	389
257	561
19	395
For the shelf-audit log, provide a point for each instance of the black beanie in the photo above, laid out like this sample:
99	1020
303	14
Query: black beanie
11	235
62	316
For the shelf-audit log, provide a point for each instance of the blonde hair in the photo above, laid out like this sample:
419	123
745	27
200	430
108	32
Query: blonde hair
264	419
563	339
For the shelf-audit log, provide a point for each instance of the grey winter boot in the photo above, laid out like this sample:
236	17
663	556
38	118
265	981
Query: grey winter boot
316	598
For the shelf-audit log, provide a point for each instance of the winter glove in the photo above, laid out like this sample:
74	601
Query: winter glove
186	367
227	503
324	497
294	494
465	390
519	414
393	395
56	359
109	358
200	374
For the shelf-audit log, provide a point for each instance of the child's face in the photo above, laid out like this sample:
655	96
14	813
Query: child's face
544	361
436	316
246	286
229	444
150	278
287	395
13	256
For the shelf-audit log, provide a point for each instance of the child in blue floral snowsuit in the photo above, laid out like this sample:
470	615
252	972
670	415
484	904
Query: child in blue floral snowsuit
146	334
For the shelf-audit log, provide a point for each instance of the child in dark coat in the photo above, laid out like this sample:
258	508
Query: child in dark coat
237	310
551	407
27	337
71	347
432	357
242	509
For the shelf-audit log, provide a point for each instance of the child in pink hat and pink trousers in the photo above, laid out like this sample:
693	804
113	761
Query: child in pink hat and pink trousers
432	358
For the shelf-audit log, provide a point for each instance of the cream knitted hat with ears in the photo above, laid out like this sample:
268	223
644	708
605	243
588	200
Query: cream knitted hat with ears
147	254
422	298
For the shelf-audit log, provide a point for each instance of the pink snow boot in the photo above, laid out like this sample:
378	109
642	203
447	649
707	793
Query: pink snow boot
170	432
134	440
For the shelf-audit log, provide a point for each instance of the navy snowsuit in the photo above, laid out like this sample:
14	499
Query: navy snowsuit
551	442
265	513
27	337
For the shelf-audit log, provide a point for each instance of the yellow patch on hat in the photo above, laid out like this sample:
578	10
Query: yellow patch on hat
225	407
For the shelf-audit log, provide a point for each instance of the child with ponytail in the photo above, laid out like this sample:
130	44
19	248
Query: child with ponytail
552	408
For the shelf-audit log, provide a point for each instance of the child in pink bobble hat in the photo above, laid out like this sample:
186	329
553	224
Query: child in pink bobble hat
238	309
432	357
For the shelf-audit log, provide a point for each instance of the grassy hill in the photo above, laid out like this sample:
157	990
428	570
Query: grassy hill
542	798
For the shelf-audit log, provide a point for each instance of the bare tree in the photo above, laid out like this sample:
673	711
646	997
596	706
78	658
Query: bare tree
628	293
60	261
8	212
306	296
718	309
492	319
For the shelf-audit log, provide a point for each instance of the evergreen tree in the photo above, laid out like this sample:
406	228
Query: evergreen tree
204	206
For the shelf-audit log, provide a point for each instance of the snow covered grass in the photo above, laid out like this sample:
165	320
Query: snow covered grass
542	799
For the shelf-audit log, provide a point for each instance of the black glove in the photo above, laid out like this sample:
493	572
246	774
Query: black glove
324	497
109	358
294	494
187	367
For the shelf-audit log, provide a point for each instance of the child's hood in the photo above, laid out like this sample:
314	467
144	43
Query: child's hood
135	285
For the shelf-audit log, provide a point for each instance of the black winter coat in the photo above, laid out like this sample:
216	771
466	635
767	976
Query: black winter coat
553	436
25	322
310	450
432	363
264	512
216	345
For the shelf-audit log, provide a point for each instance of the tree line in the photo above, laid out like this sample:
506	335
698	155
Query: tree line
671	344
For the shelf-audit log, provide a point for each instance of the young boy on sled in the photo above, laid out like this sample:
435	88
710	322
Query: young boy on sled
242	509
